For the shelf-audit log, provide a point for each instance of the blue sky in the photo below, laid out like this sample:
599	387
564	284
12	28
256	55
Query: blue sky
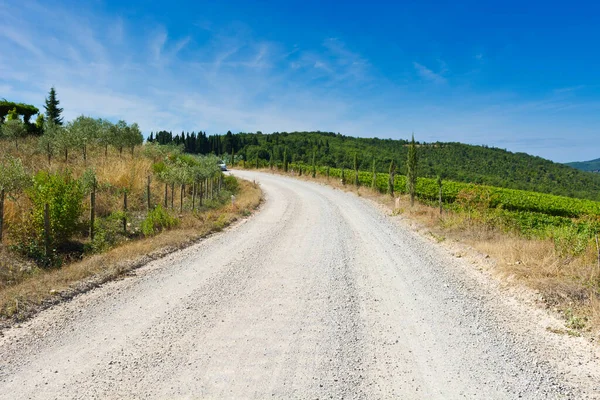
524	76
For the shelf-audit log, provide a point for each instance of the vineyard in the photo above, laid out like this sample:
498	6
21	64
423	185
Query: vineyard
529	213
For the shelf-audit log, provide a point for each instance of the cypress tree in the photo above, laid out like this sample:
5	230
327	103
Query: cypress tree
355	170
285	163
52	109
374	181
392	173
411	170
314	167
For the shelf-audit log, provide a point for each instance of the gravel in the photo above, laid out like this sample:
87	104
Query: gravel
320	295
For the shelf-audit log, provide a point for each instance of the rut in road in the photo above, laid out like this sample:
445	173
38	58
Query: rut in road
320	295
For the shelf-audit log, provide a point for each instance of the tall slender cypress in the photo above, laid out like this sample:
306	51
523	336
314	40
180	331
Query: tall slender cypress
355	170
392	175
374	181
411	170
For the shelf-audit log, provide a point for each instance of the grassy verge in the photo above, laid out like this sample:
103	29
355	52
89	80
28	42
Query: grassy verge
30	289
567	283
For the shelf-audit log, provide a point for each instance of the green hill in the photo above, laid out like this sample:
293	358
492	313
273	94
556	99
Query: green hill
455	161
590	166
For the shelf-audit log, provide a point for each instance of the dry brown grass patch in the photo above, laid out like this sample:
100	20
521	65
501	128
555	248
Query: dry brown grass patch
45	287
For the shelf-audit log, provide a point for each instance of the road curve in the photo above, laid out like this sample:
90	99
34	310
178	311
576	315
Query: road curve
318	296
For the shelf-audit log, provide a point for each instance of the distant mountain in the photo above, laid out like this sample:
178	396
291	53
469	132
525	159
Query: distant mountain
591	166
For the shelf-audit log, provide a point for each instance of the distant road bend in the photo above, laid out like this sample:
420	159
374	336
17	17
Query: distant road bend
320	295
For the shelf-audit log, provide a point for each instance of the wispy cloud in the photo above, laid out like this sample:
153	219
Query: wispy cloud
231	78
428	75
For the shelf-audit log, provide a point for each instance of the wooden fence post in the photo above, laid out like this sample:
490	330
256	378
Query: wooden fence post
181	198
172	196
193	196
166	195
149	206
93	209
1	213
125	212
47	230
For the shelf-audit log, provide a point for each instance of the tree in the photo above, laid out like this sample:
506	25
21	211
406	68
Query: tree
50	141
83	131
39	124
392	174
133	136
314	166
285	162
12	178
119	136
106	134
64	139
52	110
355	170
374	181
14	128
440	184
411	170
26	110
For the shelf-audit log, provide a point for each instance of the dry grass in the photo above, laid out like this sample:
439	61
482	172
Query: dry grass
569	286
40	288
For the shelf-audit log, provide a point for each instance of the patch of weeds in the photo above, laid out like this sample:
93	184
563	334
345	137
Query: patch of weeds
220	223
398	211
574	321
438	238
158	220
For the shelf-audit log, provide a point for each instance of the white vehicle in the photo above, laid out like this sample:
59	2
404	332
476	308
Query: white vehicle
222	165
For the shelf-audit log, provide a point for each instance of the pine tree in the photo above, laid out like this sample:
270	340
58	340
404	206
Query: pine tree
411	170
52	109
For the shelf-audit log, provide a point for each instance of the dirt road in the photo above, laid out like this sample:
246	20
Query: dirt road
318	296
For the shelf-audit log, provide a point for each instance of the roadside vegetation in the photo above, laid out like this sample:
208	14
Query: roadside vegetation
83	201
547	242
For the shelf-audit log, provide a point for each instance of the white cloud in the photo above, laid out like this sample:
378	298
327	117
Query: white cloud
236	80
428	75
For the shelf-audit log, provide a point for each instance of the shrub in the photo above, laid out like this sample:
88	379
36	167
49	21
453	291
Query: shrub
231	184
158	220
569	241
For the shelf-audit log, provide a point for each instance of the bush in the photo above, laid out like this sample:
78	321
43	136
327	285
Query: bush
158	220
569	241
231	184
64	196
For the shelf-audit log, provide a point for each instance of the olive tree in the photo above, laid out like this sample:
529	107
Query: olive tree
14	128
83	131
48	142
13	178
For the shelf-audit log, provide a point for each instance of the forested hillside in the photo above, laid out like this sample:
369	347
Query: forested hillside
590	166
454	161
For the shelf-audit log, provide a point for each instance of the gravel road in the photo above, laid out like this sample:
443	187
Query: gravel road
320	295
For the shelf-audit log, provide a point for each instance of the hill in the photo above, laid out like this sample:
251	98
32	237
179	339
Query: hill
590	166
455	161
